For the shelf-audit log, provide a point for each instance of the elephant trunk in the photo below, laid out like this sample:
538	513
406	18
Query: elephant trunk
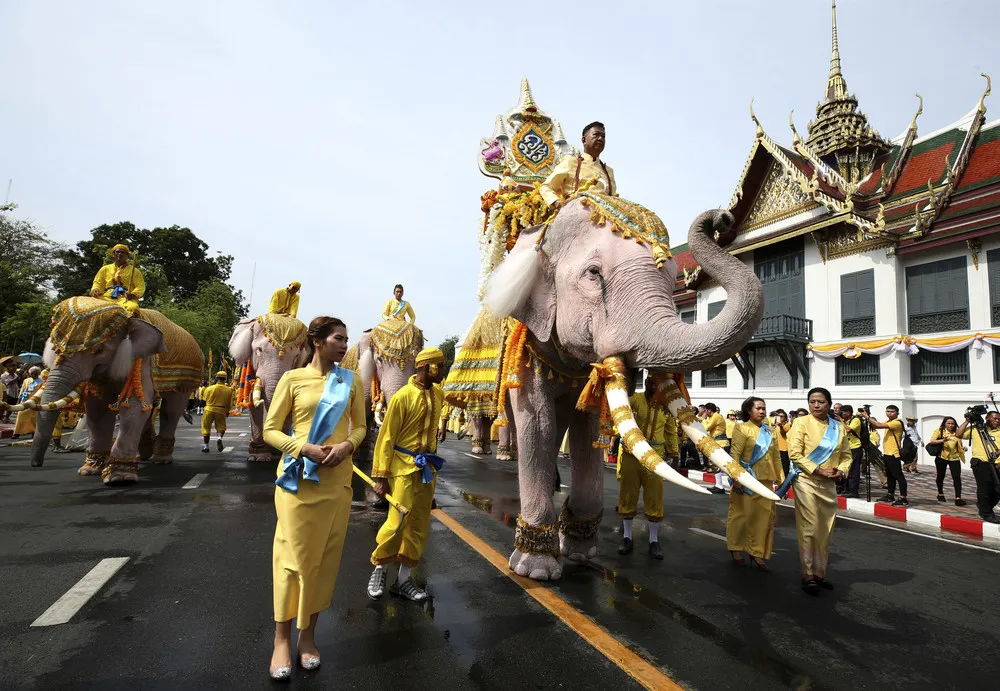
60	382
673	346
630	432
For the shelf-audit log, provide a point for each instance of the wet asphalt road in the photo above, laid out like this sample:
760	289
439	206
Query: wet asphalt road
191	608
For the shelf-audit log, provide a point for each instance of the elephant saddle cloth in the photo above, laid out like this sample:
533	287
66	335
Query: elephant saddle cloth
83	323
351	358
181	365
284	332
472	379
631	220
397	340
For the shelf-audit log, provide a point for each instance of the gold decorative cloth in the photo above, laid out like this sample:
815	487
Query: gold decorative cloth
83	323
472	379
284	332
631	220
352	358
180	367
397	341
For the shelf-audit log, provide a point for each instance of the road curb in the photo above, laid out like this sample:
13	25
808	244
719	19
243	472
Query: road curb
6	433
902	514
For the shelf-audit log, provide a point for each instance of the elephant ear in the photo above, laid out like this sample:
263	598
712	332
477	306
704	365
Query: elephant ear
146	338
538	312
241	342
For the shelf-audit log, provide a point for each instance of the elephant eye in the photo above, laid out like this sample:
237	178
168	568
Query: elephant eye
594	271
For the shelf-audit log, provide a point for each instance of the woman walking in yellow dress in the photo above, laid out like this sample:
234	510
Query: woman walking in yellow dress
313	494
820	453
750	526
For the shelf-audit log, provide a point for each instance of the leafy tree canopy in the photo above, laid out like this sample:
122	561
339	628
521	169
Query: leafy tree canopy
447	347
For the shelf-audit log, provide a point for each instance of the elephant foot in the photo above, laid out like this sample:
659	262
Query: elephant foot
578	537
163	450
162	460
120	471
539	567
93	464
504	453
261	458
536	551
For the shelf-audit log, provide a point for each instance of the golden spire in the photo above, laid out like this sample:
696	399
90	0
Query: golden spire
526	103
836	87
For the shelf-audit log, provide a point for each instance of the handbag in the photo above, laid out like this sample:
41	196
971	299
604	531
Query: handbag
935	447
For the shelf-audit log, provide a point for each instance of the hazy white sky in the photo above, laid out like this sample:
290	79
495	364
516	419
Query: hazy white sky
335	143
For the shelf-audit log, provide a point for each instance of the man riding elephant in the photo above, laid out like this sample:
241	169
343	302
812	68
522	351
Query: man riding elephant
125	361
120	282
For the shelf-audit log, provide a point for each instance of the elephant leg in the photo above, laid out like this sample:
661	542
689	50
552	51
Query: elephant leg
147	439
581	513
259	451
123	465
504	451
172	407
101	432
536	539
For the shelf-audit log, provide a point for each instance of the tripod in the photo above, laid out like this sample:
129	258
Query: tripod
869	456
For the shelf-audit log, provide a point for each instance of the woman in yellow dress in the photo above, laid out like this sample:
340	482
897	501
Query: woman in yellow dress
24	423
779	428
313	494
820	453
397	307
952	456
750	526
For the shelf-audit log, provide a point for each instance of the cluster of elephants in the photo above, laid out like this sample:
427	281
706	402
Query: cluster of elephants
595	295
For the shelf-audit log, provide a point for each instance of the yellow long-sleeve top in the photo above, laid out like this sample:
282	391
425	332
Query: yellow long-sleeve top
781	432
730	426
560	182
109	276
218	398
284	301
411	422
953	449
389	311
298	392
656	423
806	434
978	450
854	433
744	439
714	425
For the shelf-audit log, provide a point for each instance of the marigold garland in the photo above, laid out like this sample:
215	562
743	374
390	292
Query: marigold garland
132	390
513	361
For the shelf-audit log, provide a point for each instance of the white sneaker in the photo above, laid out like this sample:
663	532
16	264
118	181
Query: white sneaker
376	584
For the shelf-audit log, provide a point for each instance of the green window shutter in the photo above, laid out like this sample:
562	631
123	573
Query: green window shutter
857	304
849	296
993	261
714	308
937	296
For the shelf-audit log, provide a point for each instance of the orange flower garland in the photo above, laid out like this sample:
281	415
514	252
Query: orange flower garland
132	390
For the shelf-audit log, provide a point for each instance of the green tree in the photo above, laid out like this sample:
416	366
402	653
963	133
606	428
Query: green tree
447	347
26	264
27	327
210	315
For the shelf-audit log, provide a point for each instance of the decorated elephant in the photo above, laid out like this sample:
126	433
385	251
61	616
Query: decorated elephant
386	356
119	363
595	285
273	344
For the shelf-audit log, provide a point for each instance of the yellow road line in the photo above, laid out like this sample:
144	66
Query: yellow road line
632	664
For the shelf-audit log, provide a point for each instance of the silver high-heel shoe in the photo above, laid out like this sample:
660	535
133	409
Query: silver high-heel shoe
280	674
309	662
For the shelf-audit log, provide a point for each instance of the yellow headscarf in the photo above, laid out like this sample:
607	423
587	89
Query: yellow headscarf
430	356
294	284
120	246
221	375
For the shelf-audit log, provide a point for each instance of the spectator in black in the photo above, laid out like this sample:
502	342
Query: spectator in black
892	441
987	482
951	456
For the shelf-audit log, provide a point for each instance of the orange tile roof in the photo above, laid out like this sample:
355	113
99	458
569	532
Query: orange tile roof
984	163
922	167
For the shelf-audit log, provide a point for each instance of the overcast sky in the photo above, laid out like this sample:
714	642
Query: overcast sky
335	143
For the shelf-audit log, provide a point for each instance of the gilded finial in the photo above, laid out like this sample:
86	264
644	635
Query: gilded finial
982	99
920	109
526	103
791	123
753	116
836	87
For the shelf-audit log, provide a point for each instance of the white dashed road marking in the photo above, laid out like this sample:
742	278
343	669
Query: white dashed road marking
470	455
195	482
243	434
227	449
63	609
708	533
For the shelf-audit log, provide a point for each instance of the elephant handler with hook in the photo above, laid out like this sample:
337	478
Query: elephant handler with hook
405	464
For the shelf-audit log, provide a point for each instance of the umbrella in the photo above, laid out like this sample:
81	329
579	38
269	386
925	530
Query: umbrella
30	358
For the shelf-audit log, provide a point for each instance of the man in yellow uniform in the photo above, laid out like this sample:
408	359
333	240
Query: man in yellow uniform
119	282
660	430
218	400
984	464
397	307
286	300
891	443
715	427
571	172
406	467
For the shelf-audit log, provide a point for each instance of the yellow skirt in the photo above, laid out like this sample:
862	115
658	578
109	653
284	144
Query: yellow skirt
815	516
308	543
750	526
24	423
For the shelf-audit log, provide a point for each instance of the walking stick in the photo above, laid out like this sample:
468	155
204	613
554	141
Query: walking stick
403	511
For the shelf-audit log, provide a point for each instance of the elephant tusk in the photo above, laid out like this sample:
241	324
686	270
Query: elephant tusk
33	403
378	413
635	441
256	395
66	400
667	389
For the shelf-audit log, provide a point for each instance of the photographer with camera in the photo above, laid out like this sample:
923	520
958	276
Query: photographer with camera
891	444
984	457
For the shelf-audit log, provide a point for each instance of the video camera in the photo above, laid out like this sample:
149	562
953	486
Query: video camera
975	413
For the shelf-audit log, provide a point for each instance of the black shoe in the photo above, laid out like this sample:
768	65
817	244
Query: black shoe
626	546
960	502
204	449
990	519
941	497
901	502
655	551
887	499
716	490
187	416
811	586
824	584
218	445
852	495
381	504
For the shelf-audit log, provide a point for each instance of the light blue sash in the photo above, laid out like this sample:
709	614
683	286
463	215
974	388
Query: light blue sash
422	460
759	451
400	308
30	389
329	410
819	455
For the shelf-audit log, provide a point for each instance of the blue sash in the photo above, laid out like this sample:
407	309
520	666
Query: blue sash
421	460
819	455
329	410
117	292
759	451
30	389
400	307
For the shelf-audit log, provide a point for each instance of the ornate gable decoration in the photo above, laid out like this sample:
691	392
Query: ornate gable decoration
779	197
